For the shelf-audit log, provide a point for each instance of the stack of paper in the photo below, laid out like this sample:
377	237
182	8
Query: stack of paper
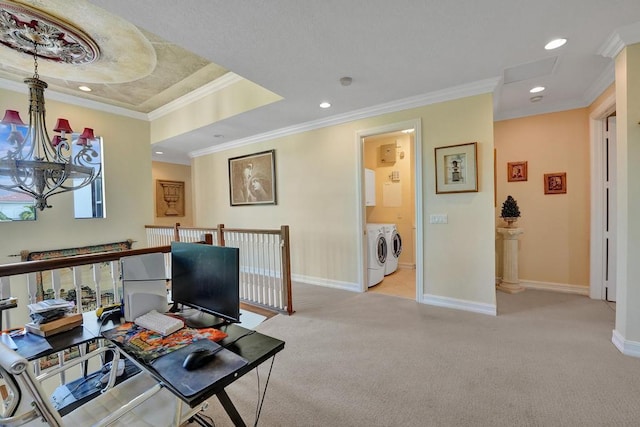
51	304
52	316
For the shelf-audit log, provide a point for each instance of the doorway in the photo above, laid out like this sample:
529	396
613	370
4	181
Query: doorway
603	202
390	173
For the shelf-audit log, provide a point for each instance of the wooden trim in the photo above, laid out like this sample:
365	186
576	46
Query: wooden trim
286	266
221	234
74	261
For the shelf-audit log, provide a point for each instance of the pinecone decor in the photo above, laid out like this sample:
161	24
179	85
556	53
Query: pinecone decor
510	211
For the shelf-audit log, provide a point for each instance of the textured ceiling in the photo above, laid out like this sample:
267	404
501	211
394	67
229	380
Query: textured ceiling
137	70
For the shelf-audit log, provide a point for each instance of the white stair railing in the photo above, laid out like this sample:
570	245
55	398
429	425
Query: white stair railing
265	276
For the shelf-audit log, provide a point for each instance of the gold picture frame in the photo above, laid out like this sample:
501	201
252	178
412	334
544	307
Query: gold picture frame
517	171
457	168
555	183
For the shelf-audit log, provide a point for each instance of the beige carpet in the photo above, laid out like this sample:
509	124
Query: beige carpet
365	359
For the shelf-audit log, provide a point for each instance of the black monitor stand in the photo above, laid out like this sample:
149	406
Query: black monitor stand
194	318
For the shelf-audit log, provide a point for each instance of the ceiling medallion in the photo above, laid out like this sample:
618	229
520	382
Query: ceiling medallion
21	28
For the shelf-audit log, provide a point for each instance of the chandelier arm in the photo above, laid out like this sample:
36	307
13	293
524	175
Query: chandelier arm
37	165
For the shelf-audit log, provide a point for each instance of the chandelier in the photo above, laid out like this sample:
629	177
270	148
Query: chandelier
35	164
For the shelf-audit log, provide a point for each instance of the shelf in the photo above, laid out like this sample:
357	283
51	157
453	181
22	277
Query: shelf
74	394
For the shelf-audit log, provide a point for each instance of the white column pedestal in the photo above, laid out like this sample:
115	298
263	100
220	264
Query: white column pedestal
510	282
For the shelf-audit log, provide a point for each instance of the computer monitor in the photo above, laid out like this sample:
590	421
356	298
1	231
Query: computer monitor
206	278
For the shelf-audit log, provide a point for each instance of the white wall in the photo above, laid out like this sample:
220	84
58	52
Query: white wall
626	335
317	179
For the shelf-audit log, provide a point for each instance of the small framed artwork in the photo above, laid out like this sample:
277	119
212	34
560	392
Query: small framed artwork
516	171
555	183
457	168
252	179
169	198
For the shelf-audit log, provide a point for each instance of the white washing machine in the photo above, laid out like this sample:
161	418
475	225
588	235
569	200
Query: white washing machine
377	253
394	246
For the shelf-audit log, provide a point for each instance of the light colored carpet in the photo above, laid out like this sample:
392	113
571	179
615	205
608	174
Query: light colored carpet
365	359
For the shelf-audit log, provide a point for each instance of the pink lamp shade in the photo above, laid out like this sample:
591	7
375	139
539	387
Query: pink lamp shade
87	134
62	125
12	117
56	140
81	141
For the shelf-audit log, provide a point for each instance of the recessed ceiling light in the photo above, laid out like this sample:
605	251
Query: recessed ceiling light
325	105
537	89
535	98
159	152
554	44
84	88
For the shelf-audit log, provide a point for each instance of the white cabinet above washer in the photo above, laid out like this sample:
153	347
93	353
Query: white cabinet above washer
369	187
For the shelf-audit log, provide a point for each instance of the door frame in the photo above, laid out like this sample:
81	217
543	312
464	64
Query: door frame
597	126
360	209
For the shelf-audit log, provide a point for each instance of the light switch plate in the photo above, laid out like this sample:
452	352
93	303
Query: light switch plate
438	219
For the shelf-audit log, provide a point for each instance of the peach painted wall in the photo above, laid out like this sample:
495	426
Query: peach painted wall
174	172
554	249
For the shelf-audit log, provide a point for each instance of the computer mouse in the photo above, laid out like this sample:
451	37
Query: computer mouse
198	358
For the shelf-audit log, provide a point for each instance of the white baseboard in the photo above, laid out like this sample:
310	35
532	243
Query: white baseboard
321	281
628	348
552	286
459	304
435	300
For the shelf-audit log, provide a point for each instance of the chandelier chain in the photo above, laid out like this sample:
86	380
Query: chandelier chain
35	60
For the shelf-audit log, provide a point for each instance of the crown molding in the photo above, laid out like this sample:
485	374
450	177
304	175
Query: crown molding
612	46
619	39
214	86
218	84
456	92
551	108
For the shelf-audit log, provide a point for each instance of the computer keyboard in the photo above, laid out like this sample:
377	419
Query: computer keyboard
160	323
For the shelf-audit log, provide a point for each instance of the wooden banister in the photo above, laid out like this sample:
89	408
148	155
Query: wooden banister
73	261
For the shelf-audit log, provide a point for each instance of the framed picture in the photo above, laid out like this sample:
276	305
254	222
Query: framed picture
169	198
252	179
555	183
516	171
457	168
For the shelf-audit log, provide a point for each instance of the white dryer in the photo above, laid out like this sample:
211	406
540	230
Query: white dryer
394	246
377	253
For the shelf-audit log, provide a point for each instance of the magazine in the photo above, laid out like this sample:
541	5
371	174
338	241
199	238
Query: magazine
148	345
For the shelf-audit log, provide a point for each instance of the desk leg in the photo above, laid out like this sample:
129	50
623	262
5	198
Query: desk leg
227	404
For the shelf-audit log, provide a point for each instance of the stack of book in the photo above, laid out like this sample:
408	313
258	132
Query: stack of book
52	316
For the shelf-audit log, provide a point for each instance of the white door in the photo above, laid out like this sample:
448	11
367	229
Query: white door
610	211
